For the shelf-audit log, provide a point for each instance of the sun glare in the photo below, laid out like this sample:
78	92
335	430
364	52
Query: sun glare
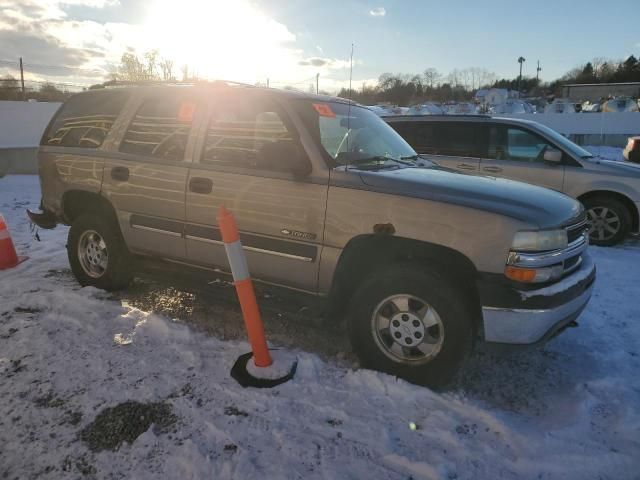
226	39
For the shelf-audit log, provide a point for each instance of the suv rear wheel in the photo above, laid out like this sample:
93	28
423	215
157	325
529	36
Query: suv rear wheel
97	253
609	220
411	323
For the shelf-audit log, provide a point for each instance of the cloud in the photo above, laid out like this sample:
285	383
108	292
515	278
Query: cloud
378	12
329	63
245	45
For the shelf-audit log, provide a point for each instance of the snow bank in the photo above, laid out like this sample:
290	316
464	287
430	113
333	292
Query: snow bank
571	410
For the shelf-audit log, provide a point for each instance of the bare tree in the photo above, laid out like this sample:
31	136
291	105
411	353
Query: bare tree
166	66
431	77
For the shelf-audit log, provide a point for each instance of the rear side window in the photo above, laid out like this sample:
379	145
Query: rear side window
459	139
160	128
85	120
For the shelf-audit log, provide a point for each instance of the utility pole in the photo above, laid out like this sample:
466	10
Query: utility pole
267	82
538	70
521	60
317	79
24	96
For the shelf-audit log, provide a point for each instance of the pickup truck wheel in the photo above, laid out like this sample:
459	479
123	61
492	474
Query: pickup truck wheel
609	220
97	253
411	323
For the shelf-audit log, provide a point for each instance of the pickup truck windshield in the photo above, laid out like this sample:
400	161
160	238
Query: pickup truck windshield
354	135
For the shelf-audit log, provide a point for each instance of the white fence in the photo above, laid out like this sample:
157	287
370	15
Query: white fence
22	123
620	123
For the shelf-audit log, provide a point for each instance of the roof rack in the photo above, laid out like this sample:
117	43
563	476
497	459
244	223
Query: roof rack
133	83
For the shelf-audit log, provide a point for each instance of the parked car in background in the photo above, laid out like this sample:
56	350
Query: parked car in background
632	150
560	105
620	104
530	152
330	201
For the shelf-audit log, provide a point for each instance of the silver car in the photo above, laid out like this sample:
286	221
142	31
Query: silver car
530	152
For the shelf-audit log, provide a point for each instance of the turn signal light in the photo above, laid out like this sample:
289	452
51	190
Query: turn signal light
526	275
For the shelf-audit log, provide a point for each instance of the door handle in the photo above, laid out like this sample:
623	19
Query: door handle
492	169
120	174
466	166
200	185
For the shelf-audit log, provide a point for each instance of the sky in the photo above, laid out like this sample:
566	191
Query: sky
289	42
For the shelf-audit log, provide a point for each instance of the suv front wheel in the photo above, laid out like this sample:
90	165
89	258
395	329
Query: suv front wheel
97	253
411	323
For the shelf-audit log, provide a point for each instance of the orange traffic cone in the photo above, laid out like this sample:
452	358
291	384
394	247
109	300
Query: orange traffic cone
8	256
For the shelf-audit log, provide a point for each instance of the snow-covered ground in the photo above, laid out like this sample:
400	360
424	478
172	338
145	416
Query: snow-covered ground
608	153
73	360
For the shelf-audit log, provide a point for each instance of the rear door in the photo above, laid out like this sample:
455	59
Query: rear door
280	217
453	145
516	153
145	176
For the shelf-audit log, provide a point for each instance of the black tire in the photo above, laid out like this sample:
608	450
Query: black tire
432	289
601	236
116	273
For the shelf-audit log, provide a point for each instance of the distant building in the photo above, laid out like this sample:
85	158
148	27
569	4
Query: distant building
593	92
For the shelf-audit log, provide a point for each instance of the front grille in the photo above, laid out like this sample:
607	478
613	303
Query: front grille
575	231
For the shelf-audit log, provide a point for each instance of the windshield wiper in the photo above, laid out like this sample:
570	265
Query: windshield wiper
374	162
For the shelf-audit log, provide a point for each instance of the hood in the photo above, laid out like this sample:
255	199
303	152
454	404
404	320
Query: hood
537	206
622	168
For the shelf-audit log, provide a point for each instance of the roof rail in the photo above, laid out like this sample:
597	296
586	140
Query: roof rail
133	83
440	115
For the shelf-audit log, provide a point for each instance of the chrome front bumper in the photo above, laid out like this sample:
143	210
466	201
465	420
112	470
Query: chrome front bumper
531	325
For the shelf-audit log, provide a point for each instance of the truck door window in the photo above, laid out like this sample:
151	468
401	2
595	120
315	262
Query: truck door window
160	128
510	143
239	132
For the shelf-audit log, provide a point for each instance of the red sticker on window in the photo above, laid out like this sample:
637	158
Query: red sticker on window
187	109
324	110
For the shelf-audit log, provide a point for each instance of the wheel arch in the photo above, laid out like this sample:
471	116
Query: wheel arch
365	254
78	202
622	198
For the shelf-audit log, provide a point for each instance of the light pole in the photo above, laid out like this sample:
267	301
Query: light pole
521	60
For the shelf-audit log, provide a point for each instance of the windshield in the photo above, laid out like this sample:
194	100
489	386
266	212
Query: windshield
564	142
354	135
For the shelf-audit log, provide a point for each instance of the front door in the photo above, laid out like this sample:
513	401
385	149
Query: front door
146	177
517	154
280	217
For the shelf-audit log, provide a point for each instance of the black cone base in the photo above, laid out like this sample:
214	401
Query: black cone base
240	373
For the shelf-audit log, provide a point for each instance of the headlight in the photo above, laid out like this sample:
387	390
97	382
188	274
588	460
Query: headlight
540	241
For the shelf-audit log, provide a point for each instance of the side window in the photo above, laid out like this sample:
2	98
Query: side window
421	136
85	120
242	132
160	128
458	139
512	143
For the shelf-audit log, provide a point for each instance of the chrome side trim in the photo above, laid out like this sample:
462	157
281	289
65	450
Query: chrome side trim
545	259
520	326
155	230
253	249
278	254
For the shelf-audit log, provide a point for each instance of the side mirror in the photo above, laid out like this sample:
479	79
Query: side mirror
552	155
285	156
